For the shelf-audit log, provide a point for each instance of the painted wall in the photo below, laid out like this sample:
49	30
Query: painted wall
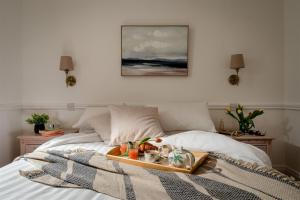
292	80
90	32
10	79
10	128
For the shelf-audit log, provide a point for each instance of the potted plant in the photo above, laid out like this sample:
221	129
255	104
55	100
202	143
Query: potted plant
39	121
245	122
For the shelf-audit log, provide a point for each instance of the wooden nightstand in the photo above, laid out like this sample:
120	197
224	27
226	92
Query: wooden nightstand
28	143
262	142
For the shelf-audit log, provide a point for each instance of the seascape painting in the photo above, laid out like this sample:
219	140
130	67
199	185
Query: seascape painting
154	50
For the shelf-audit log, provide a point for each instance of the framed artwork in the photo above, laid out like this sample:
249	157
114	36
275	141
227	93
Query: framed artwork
156	50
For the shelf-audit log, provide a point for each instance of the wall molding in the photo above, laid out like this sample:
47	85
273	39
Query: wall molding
73	106
295	106
267	106
61	106
212	106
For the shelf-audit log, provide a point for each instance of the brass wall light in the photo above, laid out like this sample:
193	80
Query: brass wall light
237	62
66	65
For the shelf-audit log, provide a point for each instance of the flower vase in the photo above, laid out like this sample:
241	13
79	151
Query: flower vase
244	128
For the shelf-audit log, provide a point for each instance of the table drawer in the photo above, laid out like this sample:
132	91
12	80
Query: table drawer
30	147
262	142
262	147
259	144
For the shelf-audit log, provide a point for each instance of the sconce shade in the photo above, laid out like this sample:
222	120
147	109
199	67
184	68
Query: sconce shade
237	61
66	63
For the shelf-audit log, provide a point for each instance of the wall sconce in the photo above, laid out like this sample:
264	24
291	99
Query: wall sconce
237	62
66	64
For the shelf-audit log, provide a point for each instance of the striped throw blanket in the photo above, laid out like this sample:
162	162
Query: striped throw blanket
220	177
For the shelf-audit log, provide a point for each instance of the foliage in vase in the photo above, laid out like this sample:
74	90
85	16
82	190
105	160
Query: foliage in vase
38	119
245	122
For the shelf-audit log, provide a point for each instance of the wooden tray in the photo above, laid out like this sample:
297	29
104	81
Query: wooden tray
115	153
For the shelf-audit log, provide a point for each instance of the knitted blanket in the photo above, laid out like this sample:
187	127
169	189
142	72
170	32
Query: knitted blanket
220	177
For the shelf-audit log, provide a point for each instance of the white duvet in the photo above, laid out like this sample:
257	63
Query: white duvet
191	140
214	142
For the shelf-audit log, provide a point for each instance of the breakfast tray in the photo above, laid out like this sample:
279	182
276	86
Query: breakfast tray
115	154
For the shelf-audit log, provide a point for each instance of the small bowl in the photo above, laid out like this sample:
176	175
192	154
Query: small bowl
151	156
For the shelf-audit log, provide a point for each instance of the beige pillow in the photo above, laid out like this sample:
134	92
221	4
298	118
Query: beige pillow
88	114
184	116
101	125
131	123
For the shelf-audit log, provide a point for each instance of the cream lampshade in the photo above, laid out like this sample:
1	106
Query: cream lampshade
237	62
66	65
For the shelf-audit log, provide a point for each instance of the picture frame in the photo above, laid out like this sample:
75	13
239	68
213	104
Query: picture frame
154	50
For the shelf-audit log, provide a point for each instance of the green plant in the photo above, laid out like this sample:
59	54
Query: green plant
38	119
245	122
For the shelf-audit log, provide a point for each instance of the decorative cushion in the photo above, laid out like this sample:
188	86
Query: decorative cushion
185	116
131	123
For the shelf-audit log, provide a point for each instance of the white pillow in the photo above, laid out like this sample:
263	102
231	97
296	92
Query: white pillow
132	123
101	125
185	116
88	114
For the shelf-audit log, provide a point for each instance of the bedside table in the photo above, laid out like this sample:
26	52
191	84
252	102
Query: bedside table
28	143
262	142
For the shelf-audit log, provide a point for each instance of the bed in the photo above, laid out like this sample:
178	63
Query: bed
74	166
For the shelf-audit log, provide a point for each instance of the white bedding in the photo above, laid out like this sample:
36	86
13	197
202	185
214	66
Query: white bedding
214	142
13	186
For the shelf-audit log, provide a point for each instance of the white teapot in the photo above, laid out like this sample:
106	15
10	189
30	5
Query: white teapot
181	158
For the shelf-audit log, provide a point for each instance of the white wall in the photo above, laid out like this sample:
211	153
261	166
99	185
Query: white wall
292	80
10	128
90	32
10	79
